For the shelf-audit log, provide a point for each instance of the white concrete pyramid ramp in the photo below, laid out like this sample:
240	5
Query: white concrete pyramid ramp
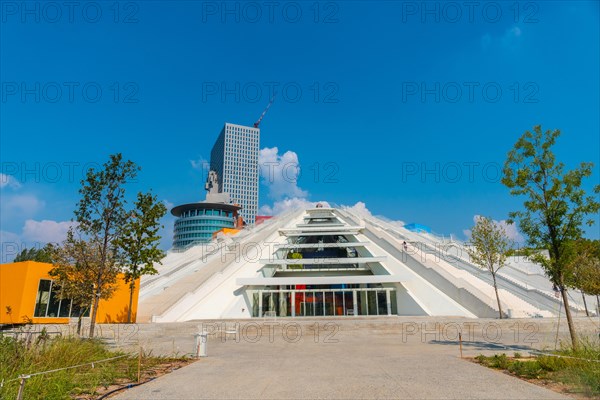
523	285
428	299
220	296
182	276
350	263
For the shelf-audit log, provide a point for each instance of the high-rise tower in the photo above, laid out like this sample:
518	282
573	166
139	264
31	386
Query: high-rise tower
234	158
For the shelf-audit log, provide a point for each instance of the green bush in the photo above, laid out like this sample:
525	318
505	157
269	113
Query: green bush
550	363
19	357
579	370
583	370
499	361
481	359
526	369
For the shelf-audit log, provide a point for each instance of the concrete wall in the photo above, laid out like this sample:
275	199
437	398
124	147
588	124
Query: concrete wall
460	295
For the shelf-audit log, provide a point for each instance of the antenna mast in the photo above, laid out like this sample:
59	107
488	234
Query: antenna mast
265	111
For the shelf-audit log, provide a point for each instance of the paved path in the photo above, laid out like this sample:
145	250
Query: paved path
355	363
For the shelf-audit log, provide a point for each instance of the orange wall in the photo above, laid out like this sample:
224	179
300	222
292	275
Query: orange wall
18	290
226	231
12	281
115	309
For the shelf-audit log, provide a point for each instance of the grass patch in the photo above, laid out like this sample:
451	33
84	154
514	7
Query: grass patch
578	371
19	357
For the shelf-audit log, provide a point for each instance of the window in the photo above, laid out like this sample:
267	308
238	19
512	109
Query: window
49	304
43	296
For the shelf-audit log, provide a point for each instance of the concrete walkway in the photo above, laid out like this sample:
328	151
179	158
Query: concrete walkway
365	360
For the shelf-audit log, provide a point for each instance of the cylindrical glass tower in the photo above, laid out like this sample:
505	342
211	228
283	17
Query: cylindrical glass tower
196	222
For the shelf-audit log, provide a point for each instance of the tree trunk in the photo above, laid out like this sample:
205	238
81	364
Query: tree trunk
79	319
94	312
131	289
497	295
563	292
585	304
598	304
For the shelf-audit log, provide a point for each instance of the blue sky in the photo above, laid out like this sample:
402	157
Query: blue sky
409	107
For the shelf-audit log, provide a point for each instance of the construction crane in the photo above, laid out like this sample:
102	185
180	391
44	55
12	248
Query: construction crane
264	112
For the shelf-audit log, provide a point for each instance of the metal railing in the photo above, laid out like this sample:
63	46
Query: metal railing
23	377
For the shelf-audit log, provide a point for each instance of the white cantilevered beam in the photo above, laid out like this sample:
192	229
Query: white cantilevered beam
322	261
321	225
319	228
321	280
340	231
319	245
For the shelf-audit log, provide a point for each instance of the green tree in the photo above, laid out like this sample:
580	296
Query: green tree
76	271
33	254
555	206
100	215
139	241
489	245
586	268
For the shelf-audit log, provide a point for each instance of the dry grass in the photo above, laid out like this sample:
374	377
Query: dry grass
18	357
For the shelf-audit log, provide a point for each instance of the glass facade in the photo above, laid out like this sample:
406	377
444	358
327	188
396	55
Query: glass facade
315	302
197	225
322	246
234	157
49	304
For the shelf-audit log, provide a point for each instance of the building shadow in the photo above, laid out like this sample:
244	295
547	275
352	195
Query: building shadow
482	345
120	317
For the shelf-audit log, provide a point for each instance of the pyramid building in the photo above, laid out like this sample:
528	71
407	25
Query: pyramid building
338	262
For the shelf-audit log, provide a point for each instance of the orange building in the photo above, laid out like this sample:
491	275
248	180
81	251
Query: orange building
26	295
261	218
226	231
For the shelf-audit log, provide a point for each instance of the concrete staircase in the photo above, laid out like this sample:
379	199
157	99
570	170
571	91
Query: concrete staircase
523	299
199	266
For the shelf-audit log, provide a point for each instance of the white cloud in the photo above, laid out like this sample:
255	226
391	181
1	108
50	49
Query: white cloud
398	223
201	164
46	231
284	205
280	174
511	230
34	234
16	208
515	32
169	205
9	181
11	245
361	209
511	36
21	205
510	39
9	237
166	232
17	205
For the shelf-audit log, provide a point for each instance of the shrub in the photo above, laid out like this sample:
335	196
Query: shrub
526	369
481	359
550	363
499	361
579	370
23	357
